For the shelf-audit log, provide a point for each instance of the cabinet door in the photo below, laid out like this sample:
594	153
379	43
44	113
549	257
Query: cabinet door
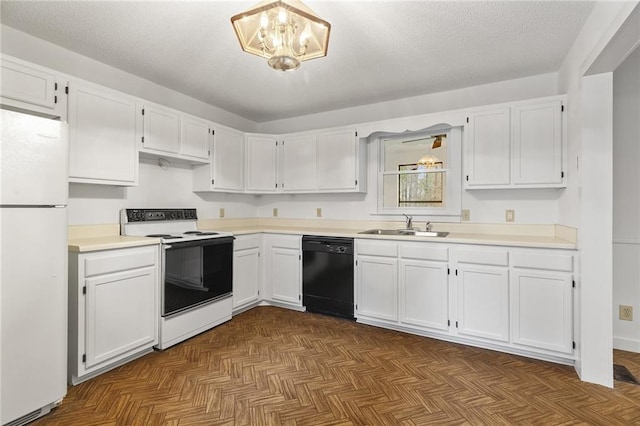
161	129
537	144
377	283
228	160
29	84
261	163
542	310
102	136
487	159
424	294
483	302
286	275
246	276
299	163
196	135
121	314
337	161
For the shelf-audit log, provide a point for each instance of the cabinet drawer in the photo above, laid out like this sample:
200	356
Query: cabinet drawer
424	252
484	257
244	242
286	241
377	248
547	261
119	260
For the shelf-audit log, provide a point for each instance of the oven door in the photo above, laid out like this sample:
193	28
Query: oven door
195	273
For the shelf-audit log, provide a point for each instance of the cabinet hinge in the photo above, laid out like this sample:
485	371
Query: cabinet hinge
456	324
456	272
561	175
573	283
282	143
66	90
276	184
356	306
299	297
573	344
467	178
356	262
467	119
209	153
356	182
276	143
213	181
561	108
356	133
258	256
448	323
299	257
213	132
143	139
84	290
448	271
142	111
55	86
258	292
84	357
282	185
55	99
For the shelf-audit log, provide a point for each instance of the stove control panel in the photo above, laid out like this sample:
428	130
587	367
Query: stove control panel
151	215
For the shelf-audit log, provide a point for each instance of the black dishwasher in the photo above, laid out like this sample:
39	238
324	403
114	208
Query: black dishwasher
327	275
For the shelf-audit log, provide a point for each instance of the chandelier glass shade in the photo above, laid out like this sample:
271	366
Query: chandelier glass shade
285	32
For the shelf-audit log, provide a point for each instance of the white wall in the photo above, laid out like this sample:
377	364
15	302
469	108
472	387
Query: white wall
96	204
504	91
24	46
626	201
584	203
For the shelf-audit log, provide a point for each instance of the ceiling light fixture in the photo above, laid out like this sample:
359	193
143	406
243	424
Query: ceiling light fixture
286	32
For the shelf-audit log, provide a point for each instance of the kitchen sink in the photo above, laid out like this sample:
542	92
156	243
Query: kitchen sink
404	232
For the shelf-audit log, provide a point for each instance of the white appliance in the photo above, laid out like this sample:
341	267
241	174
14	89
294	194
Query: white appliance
33	265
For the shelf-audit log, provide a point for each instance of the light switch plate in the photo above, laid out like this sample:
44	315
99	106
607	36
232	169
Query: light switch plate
221	212
466	215
275	212
319	212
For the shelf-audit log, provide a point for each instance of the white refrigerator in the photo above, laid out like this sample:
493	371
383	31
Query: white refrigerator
33	265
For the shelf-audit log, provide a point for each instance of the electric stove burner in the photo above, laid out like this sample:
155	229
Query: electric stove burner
165	236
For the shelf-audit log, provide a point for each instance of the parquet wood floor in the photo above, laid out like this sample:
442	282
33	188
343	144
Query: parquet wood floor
271	366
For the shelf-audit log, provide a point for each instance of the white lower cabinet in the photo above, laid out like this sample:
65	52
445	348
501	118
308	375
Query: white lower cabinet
284	269
113	308
247	271
483	302
377	287
424	294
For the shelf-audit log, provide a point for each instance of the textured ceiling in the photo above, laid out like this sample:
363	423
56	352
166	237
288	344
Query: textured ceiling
378	51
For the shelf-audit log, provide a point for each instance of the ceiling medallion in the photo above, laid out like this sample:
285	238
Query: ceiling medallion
285	32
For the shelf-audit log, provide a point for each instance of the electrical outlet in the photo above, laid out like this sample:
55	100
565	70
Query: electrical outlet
275	212
510	216
221	212
466	215
626	312
319	212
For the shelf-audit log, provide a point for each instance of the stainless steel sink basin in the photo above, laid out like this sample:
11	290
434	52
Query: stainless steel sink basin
404	232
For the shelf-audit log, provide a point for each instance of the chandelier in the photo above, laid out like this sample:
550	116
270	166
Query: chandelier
285	32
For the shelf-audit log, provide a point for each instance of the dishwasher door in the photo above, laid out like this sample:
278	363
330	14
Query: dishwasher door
327	275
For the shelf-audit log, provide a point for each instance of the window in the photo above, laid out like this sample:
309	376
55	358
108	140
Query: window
419	172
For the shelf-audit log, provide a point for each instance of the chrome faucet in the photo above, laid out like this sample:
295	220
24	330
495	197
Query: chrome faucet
409	221
428	226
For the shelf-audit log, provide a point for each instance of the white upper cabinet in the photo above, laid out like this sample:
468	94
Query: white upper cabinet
537	144
261	163
488	147
341	161
172	134
102	136
519	145
298	171
32	87
160	129
226	171
195	137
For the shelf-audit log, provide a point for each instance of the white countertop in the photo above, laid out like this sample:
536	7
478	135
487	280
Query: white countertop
103	237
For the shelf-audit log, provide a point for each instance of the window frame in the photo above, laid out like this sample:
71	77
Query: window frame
452	175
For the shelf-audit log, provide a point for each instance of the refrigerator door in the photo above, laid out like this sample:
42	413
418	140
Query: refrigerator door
33	281
34	160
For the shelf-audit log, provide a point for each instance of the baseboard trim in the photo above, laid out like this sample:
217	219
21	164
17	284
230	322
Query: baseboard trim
625	344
